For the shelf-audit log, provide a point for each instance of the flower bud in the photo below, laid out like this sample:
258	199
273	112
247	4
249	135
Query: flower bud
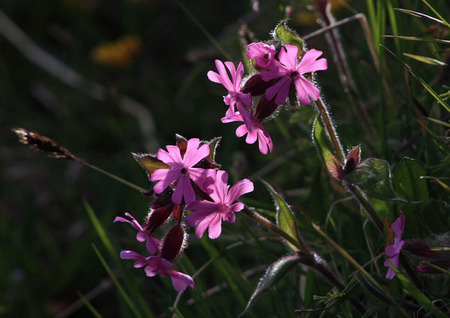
256	86
265	108
422	250
427	269
161	208
173	243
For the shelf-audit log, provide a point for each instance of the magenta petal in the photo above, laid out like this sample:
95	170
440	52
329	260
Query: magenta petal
126	254
224	76
214	77
167	177
203	225
305	88
232	69
193	153
309	62
172	157
398	225
215	226
241	131
240	188
251	137
180	280
184	188
288	56
196	217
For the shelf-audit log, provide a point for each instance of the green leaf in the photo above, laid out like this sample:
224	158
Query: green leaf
212	148
411	290
122	291
419	15
373	176
285	34
150	163
325	148
415	38
407	181
285	218
274	273
425	59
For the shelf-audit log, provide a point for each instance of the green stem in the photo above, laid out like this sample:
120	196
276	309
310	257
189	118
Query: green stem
326	118
364	202
112	176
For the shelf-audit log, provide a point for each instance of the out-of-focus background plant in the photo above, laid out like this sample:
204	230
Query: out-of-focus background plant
107	78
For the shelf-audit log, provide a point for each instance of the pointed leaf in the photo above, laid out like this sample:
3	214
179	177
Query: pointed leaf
150	163
285	218
425	59
419	15
325	148
373	176
272	276
283	33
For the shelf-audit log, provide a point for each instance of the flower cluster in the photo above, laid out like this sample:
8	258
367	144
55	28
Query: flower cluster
187	178
281	72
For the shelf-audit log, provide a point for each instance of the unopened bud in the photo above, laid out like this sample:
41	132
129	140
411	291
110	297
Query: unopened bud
173	243
256	86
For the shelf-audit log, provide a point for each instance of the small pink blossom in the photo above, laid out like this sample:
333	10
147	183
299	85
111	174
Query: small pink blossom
288	70
182	170
156	265
142	235
235	98
263	53
254	130
393	251
210	214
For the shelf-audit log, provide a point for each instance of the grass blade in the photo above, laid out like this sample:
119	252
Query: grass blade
425	85
122	292
419	15
89	306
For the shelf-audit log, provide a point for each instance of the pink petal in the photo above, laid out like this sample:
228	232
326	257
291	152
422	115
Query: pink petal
201	177
152	245
276	71
225	80
281	89
183	189
126	254
232	69
238	206
167	177
214	77
180	280
305	88
220	188
398	225
265	142
241	131
238	78
215	226
172	157
203	225
309	64
288	56
193	153
240	188
201	212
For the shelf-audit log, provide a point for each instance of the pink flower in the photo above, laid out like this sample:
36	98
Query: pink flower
393	251
156	265
235	97
210	214
263	53
182	170
254	130
289	71
142	235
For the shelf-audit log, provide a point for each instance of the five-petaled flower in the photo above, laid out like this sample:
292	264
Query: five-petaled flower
182	170
393	251
288	70
209	214
156	265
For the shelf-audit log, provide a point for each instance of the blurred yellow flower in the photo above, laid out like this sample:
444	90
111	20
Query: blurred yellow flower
119	53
